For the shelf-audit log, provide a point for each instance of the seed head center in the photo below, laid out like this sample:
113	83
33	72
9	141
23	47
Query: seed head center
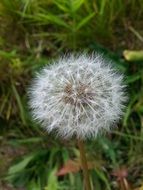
77	94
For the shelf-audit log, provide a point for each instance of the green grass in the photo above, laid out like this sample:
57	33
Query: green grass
31	34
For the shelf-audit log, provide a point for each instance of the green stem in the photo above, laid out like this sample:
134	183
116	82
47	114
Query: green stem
84	165
132	55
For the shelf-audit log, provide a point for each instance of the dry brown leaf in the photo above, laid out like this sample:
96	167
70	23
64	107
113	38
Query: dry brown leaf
121	174
70	166
73	166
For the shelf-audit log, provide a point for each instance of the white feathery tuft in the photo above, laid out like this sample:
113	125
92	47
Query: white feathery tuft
79	95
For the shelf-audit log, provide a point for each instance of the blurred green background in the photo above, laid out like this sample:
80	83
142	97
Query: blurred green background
32	32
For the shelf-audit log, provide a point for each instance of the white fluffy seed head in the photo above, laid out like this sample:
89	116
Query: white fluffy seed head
78	95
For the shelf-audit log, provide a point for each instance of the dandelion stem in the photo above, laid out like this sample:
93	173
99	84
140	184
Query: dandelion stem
84	164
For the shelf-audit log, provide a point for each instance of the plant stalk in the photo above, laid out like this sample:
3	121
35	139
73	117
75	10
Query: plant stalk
84	165
132	55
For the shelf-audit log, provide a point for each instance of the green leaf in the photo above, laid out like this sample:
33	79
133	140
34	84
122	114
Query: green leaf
26	141
131	79
84	21
33	185
7	55
102	7
20	165
19	102
76	4
103	178
46	18
129	109
57	20
61	6
69	6
52	181
109	149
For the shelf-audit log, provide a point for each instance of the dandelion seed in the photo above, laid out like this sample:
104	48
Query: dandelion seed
79	95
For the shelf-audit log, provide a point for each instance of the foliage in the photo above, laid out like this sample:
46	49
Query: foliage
33	32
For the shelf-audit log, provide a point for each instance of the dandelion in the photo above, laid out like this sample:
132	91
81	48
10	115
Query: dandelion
78	96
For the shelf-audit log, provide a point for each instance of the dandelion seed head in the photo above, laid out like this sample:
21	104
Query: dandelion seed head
78	95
